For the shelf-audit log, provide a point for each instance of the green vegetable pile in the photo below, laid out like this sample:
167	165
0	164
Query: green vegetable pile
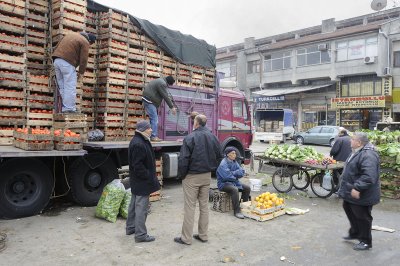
293	153
389	152
380	137
123	210
110	201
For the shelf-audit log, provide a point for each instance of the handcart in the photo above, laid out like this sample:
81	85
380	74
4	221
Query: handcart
300	175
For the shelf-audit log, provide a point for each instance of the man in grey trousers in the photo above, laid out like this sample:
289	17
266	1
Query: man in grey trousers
143	181
199	155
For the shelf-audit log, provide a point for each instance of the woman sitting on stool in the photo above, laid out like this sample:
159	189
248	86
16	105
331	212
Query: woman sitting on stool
228	174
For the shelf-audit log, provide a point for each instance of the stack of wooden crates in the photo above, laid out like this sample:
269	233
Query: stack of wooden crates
121	62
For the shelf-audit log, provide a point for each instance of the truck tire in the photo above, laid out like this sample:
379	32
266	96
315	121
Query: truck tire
88	176
25	187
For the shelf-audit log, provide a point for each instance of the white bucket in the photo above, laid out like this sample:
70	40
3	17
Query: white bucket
255	184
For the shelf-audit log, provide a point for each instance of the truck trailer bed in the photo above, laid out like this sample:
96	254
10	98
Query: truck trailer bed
106	145
11	151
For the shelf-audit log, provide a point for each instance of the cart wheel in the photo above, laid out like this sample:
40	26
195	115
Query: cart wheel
282	180
320	189
301	179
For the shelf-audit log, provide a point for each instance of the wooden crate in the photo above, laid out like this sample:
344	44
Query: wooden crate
222	202
155	196
6	135
30	146
39	6
59	146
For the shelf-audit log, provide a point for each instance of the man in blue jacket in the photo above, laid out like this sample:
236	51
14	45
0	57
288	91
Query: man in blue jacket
228	174
360	189
143	181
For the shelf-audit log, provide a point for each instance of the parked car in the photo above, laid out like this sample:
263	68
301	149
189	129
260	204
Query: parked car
322	135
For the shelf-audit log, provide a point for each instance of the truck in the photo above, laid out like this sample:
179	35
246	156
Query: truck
29	179
273	124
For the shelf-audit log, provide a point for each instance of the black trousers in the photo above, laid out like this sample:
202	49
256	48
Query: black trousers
234	193
360	221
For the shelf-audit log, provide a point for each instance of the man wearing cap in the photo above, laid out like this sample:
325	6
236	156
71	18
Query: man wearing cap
199	155
153	94
228	174
143	181
72	51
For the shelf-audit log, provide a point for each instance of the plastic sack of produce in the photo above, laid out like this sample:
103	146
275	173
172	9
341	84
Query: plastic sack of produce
110	201
123	210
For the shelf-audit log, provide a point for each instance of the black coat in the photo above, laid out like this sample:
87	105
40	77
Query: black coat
361	172
200	153
341	149
142	166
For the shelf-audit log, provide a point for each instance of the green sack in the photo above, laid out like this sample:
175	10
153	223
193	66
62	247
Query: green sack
110	201
123	211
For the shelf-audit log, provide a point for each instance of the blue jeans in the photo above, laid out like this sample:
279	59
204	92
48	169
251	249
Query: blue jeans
66	80
151	111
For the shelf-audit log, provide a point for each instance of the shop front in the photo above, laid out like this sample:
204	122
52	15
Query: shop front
362	112
363	101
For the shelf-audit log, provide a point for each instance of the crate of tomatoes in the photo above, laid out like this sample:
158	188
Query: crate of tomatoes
67	139
33	139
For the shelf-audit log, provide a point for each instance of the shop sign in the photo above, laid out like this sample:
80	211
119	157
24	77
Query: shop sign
263	99
387	85
358	102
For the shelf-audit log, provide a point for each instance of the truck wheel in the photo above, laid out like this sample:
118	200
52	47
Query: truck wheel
300	140
25	187
88	176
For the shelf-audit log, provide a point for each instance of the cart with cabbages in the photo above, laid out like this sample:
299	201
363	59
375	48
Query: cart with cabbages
300	175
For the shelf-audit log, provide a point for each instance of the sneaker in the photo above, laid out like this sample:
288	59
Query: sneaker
146	239
239	215
155	139
362	246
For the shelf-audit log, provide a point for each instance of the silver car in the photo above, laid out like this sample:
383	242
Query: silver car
322	135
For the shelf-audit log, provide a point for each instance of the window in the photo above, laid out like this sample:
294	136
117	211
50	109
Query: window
277	61
253	67
327	130
228	68
357	49
361	86
237	108
396	56
312	56
314	130
245	111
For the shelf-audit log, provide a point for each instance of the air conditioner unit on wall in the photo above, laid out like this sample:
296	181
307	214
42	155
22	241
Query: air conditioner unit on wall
369	60
323	47
387	71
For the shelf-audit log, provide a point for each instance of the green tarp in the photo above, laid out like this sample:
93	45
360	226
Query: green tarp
184	48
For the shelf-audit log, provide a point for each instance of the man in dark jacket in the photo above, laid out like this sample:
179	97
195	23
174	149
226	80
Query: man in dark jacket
199	155
153	94
143	181
71	52
341	149
360	189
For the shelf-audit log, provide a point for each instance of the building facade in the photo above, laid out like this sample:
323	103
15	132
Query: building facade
338	73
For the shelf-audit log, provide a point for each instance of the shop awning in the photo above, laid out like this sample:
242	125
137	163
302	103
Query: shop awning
289	90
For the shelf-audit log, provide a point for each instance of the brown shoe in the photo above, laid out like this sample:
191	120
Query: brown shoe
155	139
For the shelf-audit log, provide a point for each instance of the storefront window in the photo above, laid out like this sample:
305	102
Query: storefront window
356	119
